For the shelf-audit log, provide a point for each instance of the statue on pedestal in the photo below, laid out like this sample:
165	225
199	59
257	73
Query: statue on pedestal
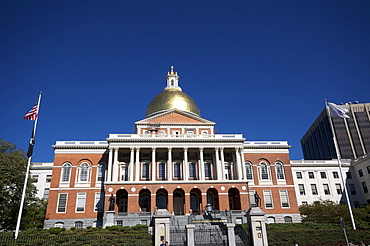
111	203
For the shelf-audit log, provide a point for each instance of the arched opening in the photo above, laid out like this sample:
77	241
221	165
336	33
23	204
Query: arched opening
234	199
195	201
144	200
178	202
122	200
162	199
212	198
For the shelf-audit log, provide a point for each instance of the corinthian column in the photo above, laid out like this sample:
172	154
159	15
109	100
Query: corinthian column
201	164
186	165
137	165
153	164
217	163
110	164
131	167
169	173
115	170
222	163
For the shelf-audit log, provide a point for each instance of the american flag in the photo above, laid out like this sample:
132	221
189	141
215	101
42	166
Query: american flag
33	113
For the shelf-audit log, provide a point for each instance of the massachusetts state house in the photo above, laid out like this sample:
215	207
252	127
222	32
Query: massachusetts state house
175	162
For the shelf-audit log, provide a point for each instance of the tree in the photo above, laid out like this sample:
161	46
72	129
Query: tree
330	212
13	165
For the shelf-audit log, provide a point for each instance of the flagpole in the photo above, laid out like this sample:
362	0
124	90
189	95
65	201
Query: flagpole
26	177
340	165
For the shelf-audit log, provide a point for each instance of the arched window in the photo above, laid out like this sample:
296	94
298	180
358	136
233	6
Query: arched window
279	170
59	224
101	171
288	219
66	172
161	201
248	170
79	224
264	171
194	205
84	171
145	202
270	219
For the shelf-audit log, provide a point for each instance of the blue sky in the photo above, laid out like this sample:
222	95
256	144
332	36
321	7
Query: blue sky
260	68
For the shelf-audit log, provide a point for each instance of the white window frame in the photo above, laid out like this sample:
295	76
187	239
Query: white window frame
80	202
280	175
79	224
301	190
59	205
100	207
177	168
66	178
81	173
261	166
145	172
248	170
101	171
267	196
284	198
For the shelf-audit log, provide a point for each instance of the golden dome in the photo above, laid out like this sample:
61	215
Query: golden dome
171	99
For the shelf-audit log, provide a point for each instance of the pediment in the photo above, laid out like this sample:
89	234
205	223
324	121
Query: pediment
175	116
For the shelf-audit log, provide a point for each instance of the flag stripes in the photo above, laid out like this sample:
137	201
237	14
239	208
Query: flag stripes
33	113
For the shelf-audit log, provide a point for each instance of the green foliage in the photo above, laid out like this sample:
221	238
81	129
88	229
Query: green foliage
126	236
312	234
330	212
13	166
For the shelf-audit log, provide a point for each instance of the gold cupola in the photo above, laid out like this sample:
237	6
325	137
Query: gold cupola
172	98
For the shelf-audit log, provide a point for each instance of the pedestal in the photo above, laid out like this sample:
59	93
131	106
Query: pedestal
257	223
109	218
161	226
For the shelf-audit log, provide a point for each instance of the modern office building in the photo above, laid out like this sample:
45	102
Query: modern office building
175	162
353	134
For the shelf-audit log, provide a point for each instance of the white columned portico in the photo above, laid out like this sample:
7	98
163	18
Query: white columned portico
239	175
201	164
131	167
115	170
186	165
169	173
110	164
137	165
218	165
153	164
222	163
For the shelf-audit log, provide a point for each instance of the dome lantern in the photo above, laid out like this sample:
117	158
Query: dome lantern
172	98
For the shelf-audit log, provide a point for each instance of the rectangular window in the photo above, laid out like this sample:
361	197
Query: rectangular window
314	189
360	173
299	175
48	178
145	170
192	170
323	175
268	198
207	170
326	189
311	175
252	198
368	169
62	203
304	203
301	189
338	187
124	173
177	170
46	193
80	204
352	189
364	187
349	175
98	202
161	170
35	178
335	175
284	199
